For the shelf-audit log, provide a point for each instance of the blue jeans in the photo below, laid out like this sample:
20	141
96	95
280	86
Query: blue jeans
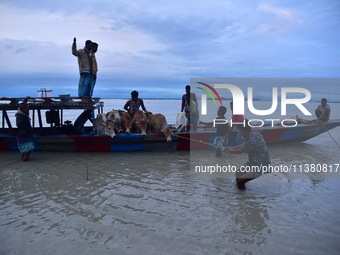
84	85
92	83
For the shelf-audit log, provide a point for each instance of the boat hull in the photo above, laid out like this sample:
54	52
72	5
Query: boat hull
156	141
132	142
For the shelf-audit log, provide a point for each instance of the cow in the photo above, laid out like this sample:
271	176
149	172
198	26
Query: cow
109	129
181	122
102	126
157	123
126	121
98	123
114	117
140	121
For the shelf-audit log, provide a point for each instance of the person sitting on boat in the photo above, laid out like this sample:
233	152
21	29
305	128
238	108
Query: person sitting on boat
134	103
25	131
258	156
81	120
323	111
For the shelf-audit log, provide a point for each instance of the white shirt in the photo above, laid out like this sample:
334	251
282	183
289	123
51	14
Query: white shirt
323	109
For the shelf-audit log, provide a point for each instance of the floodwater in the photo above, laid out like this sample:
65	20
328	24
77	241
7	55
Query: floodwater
154	203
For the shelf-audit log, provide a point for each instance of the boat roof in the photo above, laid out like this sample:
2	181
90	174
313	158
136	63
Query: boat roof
61	102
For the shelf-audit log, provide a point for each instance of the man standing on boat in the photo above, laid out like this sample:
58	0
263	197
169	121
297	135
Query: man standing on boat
323	111
187	94
85	63
190	107
94	68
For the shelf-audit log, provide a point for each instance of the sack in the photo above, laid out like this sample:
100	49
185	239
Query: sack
192	108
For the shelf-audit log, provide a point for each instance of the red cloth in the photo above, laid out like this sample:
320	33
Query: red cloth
236	118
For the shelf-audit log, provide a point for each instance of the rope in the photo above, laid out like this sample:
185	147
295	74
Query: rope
200	141
329	134
190	139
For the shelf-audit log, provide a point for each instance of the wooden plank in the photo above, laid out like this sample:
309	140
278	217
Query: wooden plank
39	118
4	113
33	119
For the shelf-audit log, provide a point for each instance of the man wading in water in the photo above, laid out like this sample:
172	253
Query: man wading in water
258	155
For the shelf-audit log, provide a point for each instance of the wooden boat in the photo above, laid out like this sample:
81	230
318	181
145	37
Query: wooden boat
60	137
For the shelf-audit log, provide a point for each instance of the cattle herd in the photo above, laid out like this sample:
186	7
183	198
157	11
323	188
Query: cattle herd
118	121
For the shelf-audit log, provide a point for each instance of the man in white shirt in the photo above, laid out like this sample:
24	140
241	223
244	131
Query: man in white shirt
323	111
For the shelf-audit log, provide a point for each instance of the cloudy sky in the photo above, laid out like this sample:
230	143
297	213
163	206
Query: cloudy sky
157	46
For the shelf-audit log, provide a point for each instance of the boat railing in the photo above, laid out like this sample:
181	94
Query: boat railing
55	106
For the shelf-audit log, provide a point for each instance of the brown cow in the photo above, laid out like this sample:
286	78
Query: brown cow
126	121
109	129
140	121
158	123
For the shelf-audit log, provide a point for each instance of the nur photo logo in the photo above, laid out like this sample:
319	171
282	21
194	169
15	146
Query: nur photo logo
288	96
204	96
